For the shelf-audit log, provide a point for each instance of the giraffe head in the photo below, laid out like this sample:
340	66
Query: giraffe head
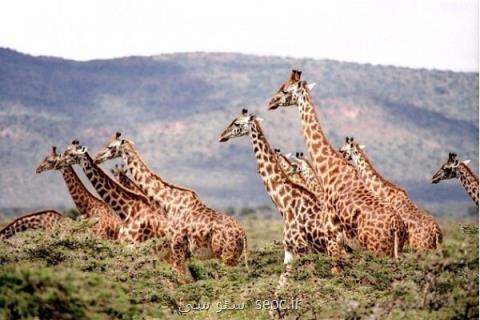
239	127
74	153
289	92
450	169
51	161
295	162
288	166
113	150
350	148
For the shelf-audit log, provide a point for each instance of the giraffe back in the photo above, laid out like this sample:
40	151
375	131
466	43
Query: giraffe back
44	219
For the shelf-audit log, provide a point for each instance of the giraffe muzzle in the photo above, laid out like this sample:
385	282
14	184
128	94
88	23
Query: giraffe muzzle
437	177
273	106
223	139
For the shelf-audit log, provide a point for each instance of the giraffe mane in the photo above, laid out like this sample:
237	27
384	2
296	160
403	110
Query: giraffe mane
171	185
31	214
470	171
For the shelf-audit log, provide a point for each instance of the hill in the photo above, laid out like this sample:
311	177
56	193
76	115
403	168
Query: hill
175	106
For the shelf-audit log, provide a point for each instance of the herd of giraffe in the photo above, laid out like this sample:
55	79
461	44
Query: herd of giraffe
326	201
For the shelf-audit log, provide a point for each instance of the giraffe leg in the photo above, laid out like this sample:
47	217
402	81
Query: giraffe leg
287	261
395	244
229	245
178	255
334	250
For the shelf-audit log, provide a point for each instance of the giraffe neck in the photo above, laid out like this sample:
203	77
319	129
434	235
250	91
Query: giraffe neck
167	195
312	181
124	202
128	183
469	181
386	191
79	193
371	177
286	167
319	148
269	169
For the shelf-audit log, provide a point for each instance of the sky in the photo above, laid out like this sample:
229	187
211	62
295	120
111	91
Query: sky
440	34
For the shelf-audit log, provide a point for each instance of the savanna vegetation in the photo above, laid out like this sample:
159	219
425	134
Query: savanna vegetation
68	274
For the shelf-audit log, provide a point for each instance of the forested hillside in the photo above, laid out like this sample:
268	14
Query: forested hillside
175	106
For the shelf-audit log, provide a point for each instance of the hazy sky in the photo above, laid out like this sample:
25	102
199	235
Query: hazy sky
439	34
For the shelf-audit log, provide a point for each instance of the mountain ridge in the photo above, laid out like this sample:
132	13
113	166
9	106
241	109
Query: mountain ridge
181	102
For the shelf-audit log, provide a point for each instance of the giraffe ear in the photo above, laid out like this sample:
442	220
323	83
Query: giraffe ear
295	75
298	75
465	162
361	146
288	155
310	86
259	119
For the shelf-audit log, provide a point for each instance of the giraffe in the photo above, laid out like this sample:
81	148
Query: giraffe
201	231
375	226
44	219
423	232
308	226
307	173
297	169
290	169
141	220
89	206
120	173
301	172
455	168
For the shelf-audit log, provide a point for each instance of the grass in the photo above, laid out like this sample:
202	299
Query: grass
69	274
